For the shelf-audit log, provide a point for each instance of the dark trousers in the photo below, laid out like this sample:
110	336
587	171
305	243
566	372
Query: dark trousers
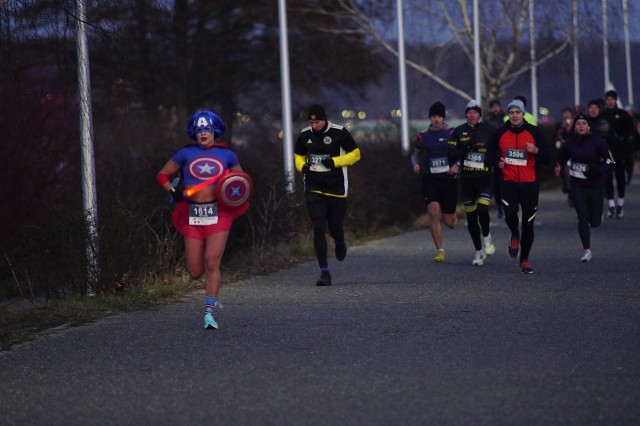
523	196
588	205
325	211
617	170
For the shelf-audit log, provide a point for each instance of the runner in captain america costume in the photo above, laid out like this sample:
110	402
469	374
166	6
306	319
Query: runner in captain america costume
203	222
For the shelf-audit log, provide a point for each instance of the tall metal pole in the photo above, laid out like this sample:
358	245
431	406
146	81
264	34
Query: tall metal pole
627	52
87	155
476	51
605	46
404	107
285	83
534	76
576	58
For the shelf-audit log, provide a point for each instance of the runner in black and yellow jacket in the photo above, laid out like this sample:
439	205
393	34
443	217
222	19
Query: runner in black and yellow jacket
323	151
469	147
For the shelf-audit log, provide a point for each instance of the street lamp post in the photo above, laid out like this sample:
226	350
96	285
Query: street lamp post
627	52
285	83
402	70
90	204
534	75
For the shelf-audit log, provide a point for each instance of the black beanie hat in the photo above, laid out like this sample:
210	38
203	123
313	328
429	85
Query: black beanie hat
584	117
611	93
438	109
317	112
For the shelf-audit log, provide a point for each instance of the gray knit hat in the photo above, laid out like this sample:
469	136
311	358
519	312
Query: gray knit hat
515	104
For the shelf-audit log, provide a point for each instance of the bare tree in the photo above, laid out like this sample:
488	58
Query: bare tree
446	24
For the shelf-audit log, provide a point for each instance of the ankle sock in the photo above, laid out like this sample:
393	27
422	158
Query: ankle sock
209	304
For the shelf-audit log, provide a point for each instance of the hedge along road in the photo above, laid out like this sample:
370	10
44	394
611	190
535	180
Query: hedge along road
398	339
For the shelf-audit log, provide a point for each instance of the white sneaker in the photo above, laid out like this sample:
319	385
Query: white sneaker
489	248
479	258
586	257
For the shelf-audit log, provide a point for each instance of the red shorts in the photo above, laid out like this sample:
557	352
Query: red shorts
180	219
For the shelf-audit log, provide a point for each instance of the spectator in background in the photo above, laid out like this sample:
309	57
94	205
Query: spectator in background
598	125
619	139
635	144
495	118
564	129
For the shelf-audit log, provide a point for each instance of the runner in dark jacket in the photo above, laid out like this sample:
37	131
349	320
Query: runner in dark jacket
439	179
468	144
323	151
587	155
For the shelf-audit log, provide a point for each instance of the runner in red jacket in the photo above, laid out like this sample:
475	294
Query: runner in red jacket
521	148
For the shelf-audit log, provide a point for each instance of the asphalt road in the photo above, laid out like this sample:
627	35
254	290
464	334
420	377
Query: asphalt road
398	339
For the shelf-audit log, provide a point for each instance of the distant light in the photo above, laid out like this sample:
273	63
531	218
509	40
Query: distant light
242	118
362	115
543	111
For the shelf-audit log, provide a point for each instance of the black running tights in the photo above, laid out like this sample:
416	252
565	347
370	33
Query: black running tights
325	210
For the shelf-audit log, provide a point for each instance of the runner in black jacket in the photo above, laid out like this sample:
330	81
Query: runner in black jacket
619	139
468	147
322	152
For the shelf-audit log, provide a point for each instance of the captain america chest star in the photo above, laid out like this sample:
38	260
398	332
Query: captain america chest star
203	168
199	165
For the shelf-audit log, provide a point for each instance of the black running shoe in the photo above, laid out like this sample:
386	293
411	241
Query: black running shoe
341	251
619	212
611	213
325	279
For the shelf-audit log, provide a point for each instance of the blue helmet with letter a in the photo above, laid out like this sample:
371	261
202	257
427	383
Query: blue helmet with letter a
203	121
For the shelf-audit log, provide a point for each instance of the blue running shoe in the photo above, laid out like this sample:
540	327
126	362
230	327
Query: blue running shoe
514	247
209	322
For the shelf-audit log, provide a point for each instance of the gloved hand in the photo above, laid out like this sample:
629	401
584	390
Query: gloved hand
306	168
328	163
176	196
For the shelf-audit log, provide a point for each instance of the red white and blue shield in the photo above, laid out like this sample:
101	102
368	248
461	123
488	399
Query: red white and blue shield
234	189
